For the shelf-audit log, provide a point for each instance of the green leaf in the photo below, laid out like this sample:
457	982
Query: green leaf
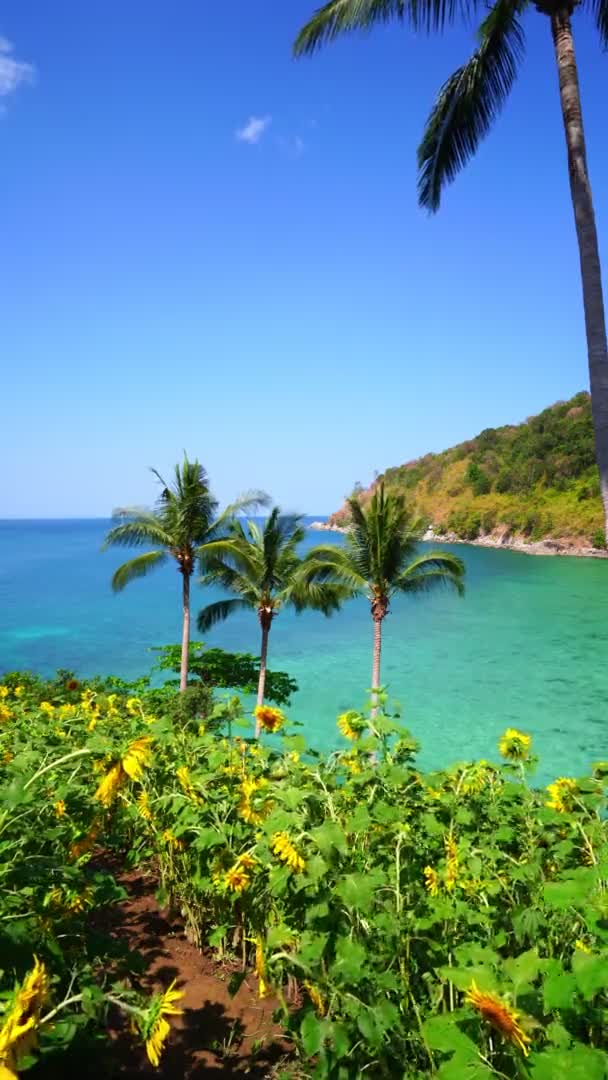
349	964
590	972
559	987
368	1026
328	836
358	890
579	1063
310	1034
523	969
217	936
339	1038
442	1033
571	892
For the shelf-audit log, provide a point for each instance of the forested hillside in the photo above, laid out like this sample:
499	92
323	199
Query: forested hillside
535	479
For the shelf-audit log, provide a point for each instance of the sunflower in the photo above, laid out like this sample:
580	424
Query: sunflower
108	788
84	844
260	968
157	1029
143	805
582	946
451	854
562	793
72	684
18	1032
431	881
350	724
268	718
133	706
515	745
283	848
60	808
4	692
46	708
18	691
316	997
186	784
137	757
499	1014
237	878
475	778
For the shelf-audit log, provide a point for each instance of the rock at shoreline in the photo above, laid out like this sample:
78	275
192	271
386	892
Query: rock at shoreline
326	526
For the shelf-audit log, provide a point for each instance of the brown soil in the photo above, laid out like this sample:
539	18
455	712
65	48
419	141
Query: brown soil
217	1033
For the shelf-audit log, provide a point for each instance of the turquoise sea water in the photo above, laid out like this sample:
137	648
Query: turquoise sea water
526	647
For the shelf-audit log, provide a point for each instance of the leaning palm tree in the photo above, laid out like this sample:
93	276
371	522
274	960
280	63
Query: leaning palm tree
261	566
183	521
379	558
467	105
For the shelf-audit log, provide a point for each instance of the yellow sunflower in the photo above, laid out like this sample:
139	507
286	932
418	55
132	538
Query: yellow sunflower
137	757
237	878
260	968
499	1015
562	794
451	854
431	881
316	997
283	848
157	1029
110	783
268	718
350	724
515	745
18	1032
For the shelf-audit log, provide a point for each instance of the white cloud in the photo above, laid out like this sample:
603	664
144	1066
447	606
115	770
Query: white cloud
12	72
253	130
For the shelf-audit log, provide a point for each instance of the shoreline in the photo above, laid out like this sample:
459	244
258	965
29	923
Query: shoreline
548	546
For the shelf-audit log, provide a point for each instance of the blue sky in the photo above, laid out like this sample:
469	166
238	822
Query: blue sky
273	302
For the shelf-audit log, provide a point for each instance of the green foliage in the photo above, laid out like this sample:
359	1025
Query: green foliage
261	568
380	555
598	540
538	478
376	898
478	479
235	671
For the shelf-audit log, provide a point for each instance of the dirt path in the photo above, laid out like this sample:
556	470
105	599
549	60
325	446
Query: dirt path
217	1034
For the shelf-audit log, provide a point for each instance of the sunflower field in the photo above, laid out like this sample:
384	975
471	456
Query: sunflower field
450	924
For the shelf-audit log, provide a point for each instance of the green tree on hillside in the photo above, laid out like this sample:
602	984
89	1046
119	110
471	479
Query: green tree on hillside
183	522
380	558
262	568
468	104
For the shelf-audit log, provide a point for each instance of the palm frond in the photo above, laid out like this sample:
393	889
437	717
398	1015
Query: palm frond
218	612
143	529
470	101
244	504
599	10
340	17
438	569
231	552
137	568
330	564
326	597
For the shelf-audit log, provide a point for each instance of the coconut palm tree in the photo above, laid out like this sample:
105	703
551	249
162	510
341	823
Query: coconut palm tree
183	521
379	558
262	568
467	105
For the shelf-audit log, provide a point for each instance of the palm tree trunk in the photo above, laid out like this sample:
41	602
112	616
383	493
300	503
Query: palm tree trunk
265	624
183	673
584	217
376	663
